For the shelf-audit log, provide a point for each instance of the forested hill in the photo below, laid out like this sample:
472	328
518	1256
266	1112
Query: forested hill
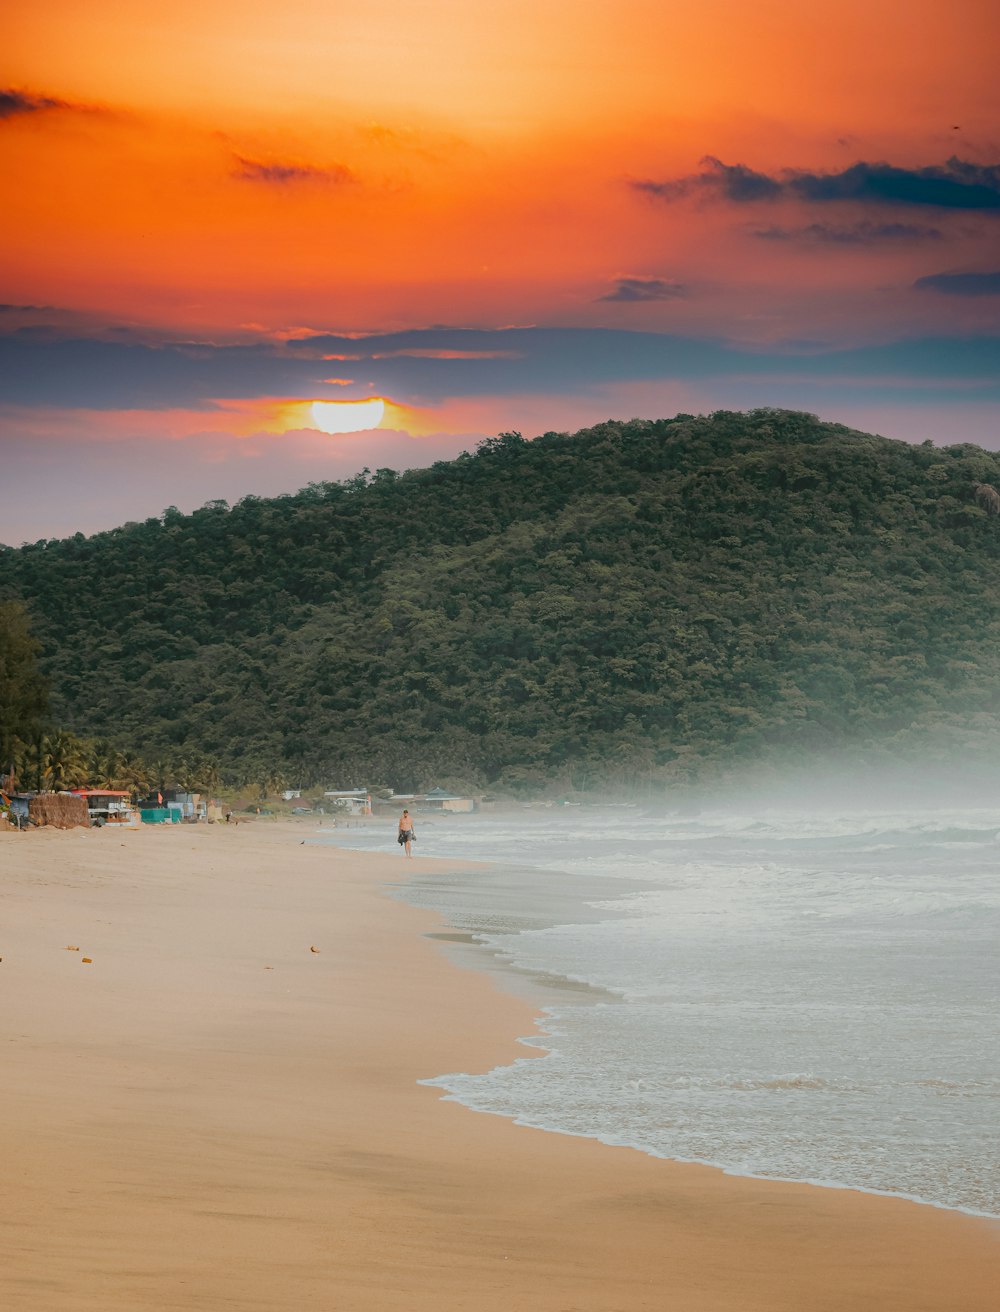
637	603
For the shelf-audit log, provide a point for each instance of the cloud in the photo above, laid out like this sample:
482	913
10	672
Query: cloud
428	367
13	103
953	185
850	234
97	374
55	322
956	184
961	284
439	353
644	289
19	104
278	174
733	182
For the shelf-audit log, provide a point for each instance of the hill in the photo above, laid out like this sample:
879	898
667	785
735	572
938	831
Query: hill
639	603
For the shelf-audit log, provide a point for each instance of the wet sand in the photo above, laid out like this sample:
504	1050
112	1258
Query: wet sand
210	1115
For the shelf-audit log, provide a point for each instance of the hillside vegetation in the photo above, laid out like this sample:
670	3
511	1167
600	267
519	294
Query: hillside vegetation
637	604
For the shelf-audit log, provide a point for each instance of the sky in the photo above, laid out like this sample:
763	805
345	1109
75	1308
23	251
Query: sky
251	245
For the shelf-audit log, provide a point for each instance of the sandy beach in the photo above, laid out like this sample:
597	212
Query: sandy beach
220	1109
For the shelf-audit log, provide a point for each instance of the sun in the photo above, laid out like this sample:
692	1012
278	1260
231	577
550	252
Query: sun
347	416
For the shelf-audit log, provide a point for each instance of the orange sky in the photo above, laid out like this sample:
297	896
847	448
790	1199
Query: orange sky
455	161
240	170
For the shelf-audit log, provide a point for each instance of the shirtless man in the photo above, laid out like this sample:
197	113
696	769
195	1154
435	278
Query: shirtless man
406	834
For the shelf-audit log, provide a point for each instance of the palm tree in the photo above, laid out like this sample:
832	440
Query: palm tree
13	769
269	780
63	761
211	776
102	766
196	774
133	773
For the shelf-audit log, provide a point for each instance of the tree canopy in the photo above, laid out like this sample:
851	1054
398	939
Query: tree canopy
640	603
23	691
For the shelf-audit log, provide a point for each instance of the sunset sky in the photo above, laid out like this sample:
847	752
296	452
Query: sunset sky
516	214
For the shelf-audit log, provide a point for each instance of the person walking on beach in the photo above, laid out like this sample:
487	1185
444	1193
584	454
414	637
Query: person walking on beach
406	834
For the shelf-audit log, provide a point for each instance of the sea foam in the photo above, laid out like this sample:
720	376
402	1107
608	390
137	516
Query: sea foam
794	996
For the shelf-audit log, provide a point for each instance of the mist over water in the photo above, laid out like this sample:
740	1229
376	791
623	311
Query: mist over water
807	994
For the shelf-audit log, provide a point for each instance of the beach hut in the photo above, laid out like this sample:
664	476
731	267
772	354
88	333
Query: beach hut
60	810
440	800
185	807
109	806
355	801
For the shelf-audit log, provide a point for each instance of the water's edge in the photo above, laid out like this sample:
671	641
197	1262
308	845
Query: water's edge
484	917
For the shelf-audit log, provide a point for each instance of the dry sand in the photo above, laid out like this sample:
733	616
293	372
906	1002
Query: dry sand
210	1115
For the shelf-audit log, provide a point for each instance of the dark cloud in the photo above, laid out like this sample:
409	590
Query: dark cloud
953	185
57	322
13	103
850	234
961	284
739	183
89	373
733	182
956	184
277	174
644	289
427	366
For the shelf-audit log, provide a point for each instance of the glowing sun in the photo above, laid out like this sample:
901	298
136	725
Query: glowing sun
347	416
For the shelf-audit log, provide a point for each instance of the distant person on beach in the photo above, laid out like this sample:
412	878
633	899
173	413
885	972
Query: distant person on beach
406	834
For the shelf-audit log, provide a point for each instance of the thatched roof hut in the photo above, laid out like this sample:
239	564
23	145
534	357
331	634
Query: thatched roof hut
61	810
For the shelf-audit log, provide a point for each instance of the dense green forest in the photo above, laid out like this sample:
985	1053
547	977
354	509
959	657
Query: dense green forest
635	605
23	691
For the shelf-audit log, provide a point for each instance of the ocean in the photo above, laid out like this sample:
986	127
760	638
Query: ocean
787	994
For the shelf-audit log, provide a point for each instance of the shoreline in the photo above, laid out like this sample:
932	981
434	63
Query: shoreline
211	1115
550	995
812	1183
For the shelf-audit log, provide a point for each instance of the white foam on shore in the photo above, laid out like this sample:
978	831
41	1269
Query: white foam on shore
811	998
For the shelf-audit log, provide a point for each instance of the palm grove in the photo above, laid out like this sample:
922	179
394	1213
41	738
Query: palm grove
635	606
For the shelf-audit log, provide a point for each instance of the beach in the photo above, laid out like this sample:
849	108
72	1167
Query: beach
221	1108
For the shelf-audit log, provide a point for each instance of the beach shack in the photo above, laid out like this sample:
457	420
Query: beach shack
187	808
153	810
355	801
172	806
440	800
60	810
18	805
109	806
